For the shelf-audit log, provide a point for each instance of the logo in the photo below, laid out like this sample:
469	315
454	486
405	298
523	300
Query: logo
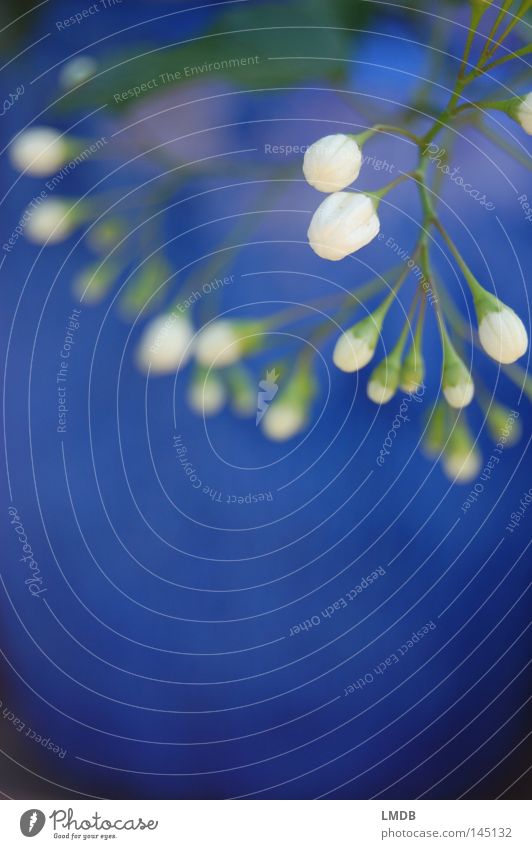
267	392
32	822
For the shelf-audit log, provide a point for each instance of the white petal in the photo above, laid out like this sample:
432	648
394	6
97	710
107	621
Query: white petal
282	421
218	345
460	395
332	163
379	393
39	151
524	114
206	397
351	353
48	222
165	344
460	467
76	71
503	335
342	224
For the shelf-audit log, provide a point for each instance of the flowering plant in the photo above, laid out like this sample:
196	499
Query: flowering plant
344	222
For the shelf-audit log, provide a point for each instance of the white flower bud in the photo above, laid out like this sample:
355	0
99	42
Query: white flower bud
384	379
380	393
524	113
351	353
503	335
288	414
283	421
343	223
457	383
412	372
39	151
165	345
459	394
356	346
206	394
50	222
332	163
461	460
462	467
218	344
76	71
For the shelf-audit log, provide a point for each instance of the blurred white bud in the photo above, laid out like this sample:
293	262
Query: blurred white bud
462	466
502	334
76	71
503	424
242	391
412	372
50	222
436	431
165	345
384	379
39	151
379	393
332	163
221	343
356	346
206	394
289	412
461	460
342	224
283	421
457	383
459	394
524	113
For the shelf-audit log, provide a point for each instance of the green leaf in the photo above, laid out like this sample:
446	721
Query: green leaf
252	47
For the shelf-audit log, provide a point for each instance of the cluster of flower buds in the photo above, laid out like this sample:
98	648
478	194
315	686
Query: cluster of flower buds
345	221
219	376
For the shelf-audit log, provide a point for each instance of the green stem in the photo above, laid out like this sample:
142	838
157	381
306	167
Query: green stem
522	10
472	282
494	27
380	193
360	138
523	51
